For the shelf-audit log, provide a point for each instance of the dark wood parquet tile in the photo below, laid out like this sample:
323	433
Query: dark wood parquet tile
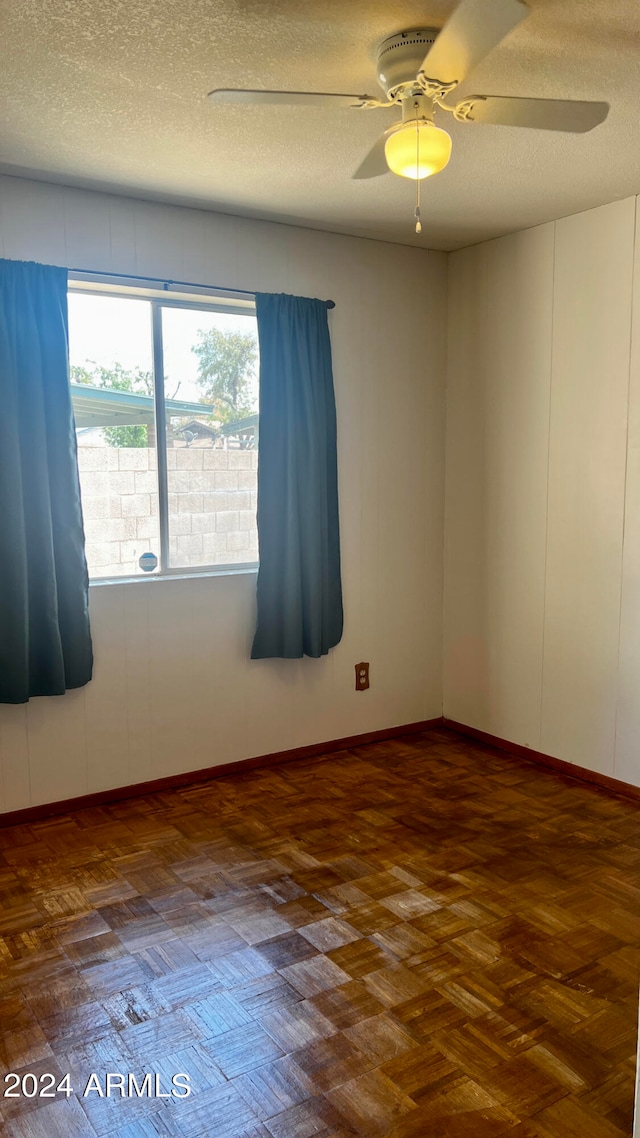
410	939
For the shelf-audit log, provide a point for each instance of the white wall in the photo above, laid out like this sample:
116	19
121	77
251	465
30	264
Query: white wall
174	689
542	514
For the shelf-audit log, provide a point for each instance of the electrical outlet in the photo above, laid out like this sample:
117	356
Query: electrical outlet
362	676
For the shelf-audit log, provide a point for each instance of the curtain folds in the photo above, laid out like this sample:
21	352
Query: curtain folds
299	586
45	640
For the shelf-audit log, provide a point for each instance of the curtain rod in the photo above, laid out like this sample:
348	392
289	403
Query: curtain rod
166	283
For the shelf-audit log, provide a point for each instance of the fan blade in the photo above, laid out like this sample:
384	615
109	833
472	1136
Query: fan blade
285	98
543	114
474	29
375	163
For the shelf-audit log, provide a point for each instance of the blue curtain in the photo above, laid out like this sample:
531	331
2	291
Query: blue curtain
45	641
299	587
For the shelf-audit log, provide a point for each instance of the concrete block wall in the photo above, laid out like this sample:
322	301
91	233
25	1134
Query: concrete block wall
212	507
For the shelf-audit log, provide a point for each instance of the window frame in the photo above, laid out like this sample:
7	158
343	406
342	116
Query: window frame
159	294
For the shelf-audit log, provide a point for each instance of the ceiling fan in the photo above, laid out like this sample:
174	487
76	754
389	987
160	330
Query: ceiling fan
418	70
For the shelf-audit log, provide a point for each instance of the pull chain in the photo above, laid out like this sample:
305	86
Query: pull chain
417	210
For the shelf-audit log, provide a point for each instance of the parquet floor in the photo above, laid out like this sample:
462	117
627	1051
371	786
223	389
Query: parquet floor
417	939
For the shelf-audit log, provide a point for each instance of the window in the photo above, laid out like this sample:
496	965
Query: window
165	394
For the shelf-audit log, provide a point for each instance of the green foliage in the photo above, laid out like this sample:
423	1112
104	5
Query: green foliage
130	436
226	366
117	378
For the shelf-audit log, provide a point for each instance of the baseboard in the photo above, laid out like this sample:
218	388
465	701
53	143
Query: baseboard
315	751
572	770
157	785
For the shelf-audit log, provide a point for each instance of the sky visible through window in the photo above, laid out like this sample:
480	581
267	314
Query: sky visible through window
125	337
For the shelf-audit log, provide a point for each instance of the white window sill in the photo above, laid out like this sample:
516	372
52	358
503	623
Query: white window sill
179	575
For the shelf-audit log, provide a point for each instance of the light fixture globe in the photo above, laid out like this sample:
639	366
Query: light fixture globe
416	149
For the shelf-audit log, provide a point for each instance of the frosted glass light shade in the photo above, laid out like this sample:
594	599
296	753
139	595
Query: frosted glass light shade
417	149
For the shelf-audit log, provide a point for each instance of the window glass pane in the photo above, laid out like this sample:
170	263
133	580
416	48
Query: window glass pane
110	350
211	394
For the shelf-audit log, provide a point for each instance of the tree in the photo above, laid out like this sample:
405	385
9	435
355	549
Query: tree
117	378
226	366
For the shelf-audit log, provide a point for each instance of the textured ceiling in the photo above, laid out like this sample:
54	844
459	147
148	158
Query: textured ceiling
110	94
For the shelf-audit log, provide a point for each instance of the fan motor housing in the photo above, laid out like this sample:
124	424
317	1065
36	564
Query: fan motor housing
400	57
